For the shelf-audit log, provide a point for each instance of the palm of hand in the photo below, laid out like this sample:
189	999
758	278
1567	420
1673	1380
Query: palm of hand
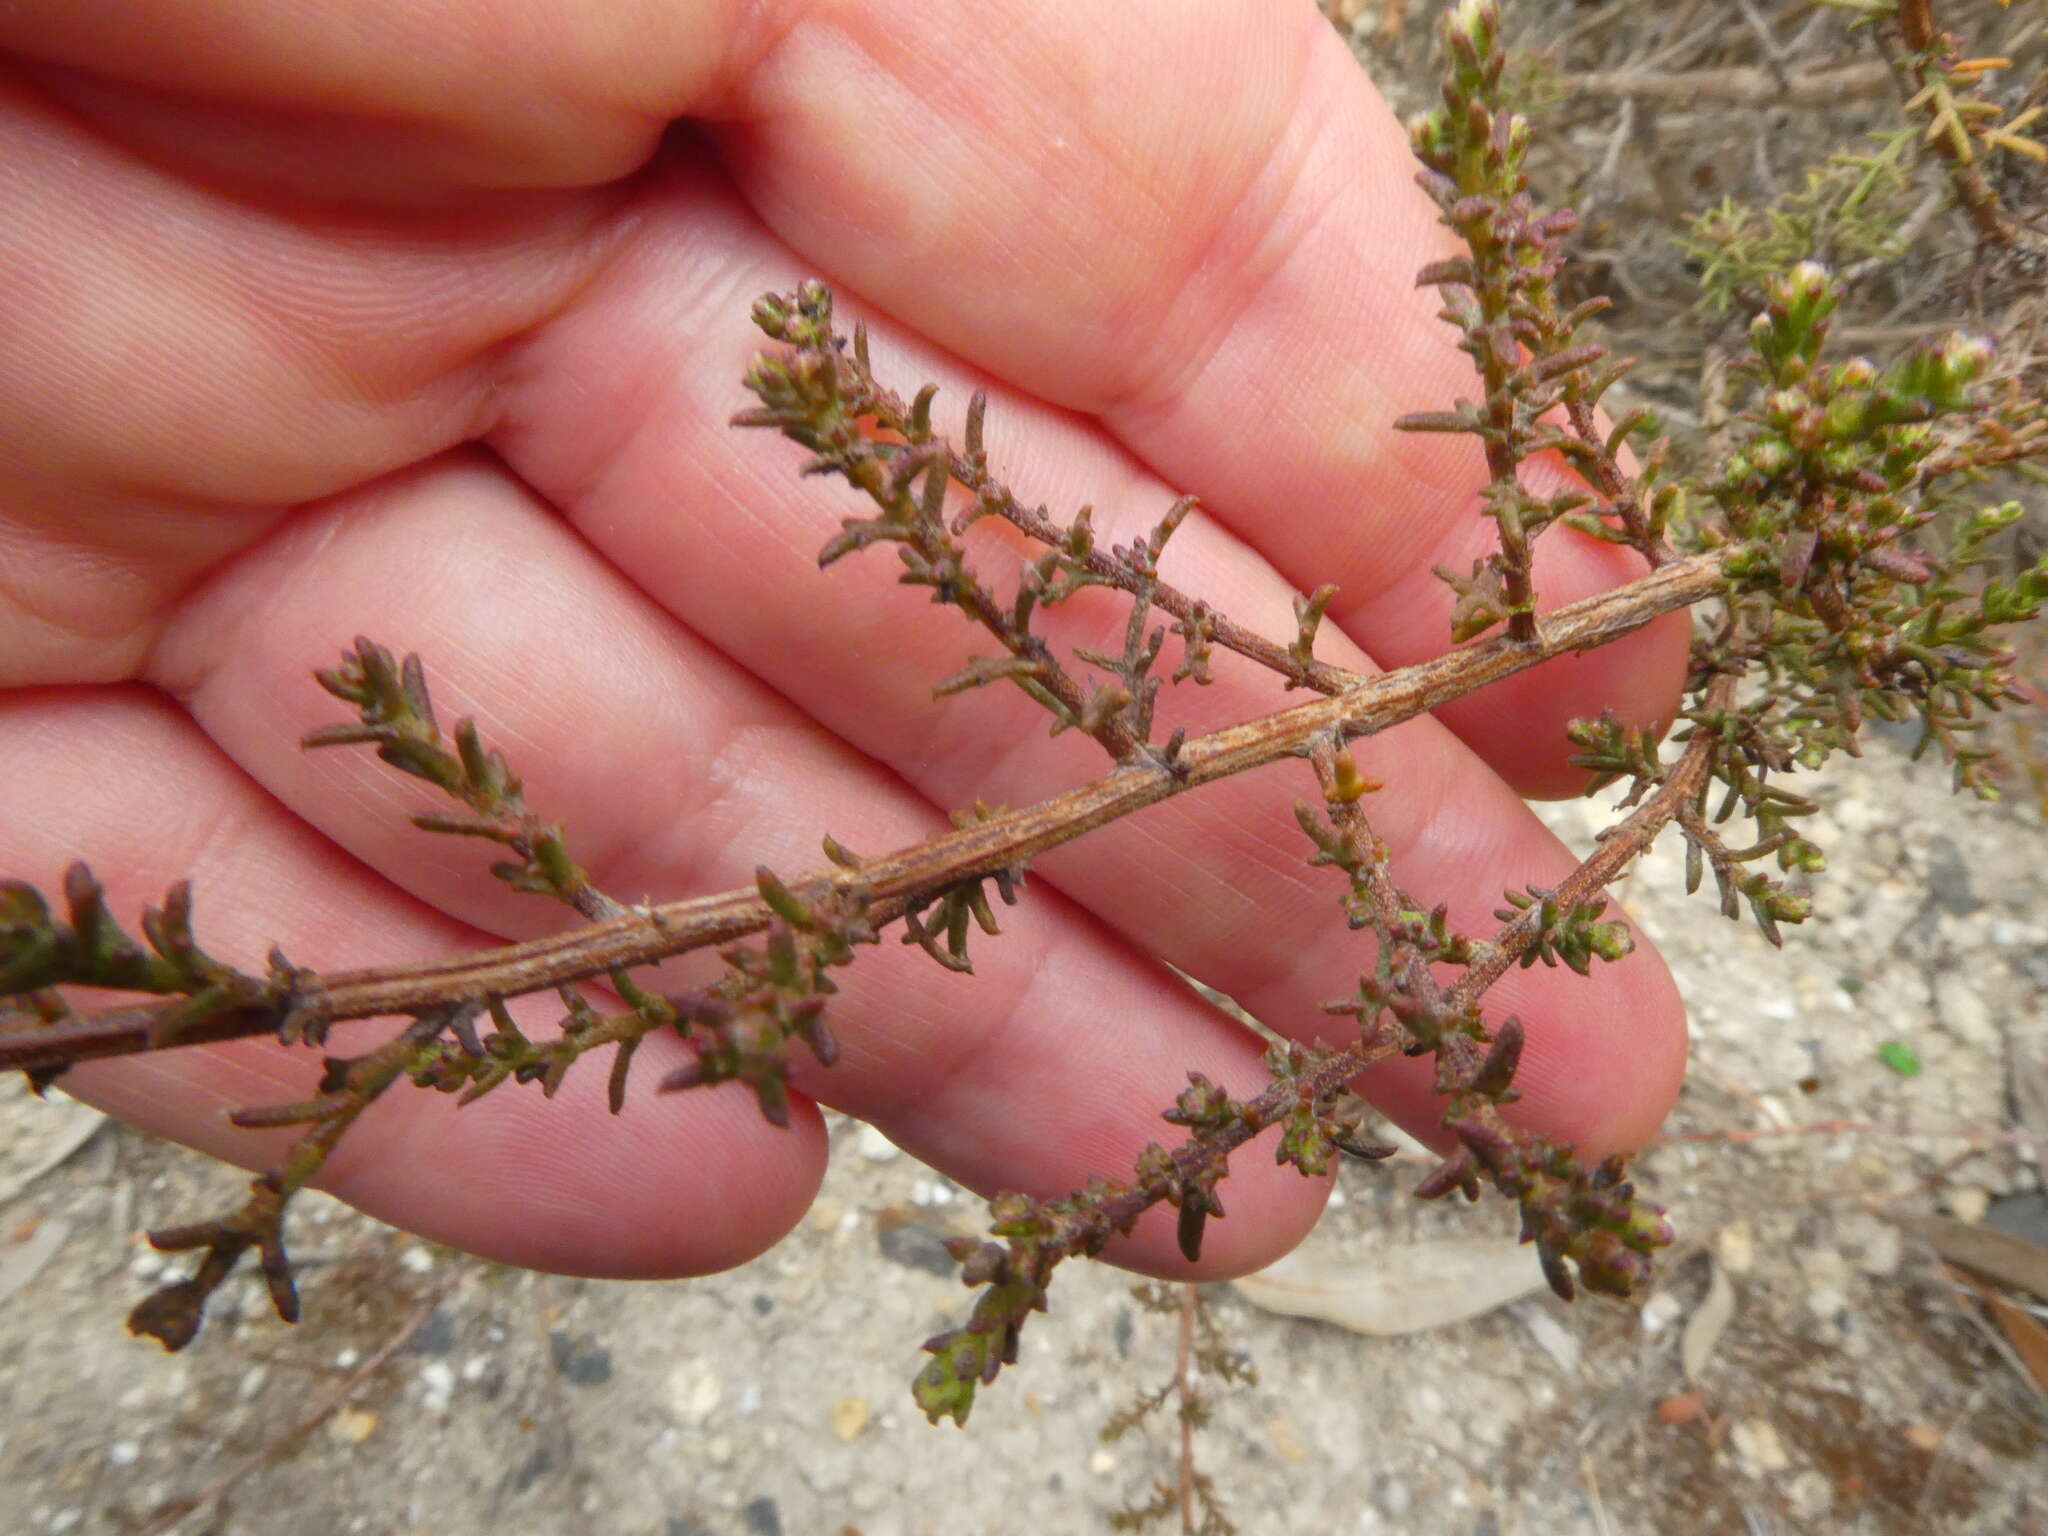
430	330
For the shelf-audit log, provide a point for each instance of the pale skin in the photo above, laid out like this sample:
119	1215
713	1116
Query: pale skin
424	321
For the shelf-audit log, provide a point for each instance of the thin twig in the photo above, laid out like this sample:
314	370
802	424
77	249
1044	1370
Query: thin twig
1774	53
325	1405
1743	85
1619	847
1592	1479
1978	1138
1912	77
1182	1388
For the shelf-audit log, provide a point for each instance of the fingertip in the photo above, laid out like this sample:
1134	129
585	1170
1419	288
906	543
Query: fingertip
677	1184
1520	725
1269	1209
1606	1083
1602	1067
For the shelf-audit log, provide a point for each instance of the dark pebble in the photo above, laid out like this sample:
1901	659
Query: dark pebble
436	1336
580	1361
917	1246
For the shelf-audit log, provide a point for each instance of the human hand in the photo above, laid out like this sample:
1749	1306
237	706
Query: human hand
425	323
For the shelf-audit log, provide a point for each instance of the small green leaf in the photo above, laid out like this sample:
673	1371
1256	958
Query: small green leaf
1900	1058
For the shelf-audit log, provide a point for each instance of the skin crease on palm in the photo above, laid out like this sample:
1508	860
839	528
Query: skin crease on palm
423	319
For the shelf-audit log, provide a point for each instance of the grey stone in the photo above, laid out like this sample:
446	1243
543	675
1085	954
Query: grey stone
916	1246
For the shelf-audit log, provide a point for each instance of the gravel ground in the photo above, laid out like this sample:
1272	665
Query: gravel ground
1850	1390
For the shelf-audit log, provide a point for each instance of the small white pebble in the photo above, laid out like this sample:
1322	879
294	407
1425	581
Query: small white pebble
1757	1444
474	1367
1736	1248
1967	1203
1812	1494
66	1519
694	1391
1102	1463
346	1359
1660	1312
124	1453
437	1378
872	1145
1825	1302
416	1259
1394	1499
1882	1251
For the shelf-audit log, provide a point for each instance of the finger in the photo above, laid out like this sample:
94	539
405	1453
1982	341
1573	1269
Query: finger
177	367
677	774
389	100
618	427
675	1185
1230	290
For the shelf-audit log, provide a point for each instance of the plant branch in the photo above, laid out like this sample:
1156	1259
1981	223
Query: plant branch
1112	571
323	1407
1743	85
888	881
1917	57
1183	1389
1619	847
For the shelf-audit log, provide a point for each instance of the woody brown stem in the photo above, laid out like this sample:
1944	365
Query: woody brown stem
1913	74
1916	23
887	881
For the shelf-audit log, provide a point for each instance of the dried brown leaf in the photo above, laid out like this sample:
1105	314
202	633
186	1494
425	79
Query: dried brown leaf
1709	1321
2028	1338
1405	1290
25	1260
1986	1251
